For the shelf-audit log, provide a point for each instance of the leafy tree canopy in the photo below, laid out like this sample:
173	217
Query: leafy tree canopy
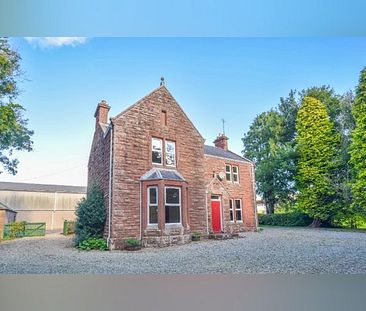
14	134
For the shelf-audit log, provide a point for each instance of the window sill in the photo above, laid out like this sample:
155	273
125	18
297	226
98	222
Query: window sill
152	226
175	225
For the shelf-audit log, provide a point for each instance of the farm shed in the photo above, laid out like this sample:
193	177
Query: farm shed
51	204
7	215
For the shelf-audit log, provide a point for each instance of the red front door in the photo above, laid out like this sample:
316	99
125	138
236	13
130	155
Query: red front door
216	216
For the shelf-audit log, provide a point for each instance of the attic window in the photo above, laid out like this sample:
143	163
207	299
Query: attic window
163	117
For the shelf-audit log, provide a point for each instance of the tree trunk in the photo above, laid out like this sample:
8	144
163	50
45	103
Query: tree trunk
316	223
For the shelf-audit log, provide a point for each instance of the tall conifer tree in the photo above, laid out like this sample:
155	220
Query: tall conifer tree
316	143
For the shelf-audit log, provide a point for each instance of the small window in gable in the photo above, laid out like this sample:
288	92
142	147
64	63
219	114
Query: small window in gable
170	153
163	117
235	174
157	151
228	172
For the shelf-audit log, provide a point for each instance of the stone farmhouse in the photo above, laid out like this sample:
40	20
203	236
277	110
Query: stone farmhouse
161	182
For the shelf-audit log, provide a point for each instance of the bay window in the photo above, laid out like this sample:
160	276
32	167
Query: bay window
172	205
152	205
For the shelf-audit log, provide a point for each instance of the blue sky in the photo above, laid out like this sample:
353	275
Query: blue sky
211	78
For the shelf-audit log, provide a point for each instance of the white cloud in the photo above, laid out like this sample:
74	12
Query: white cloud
47	42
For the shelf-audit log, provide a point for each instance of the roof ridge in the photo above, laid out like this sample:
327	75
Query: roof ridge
152	92
140	100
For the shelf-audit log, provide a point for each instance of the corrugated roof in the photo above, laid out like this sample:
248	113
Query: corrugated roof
157	174
221	153
14	186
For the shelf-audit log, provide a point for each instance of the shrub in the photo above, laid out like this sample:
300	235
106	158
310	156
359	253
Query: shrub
132	242
91	215
69	227
292	219
16	229
93	243
196	234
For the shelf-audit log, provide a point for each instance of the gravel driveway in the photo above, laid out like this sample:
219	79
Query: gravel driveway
274	250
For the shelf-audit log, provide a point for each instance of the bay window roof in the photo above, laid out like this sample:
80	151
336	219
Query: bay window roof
159	173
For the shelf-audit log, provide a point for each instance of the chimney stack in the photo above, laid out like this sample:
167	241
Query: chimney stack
101	114
221	142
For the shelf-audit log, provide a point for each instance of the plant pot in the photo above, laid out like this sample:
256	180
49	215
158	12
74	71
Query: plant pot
196	238
132	247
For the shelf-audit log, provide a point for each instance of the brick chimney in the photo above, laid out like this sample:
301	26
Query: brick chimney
101	114
221	142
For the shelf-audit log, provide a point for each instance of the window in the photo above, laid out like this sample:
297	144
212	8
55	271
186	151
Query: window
170	153
228	172
231	209
235	174
172	205
152	205
238	210
157	151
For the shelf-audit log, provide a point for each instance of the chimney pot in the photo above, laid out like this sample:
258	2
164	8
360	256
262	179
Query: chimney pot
221	142
101	113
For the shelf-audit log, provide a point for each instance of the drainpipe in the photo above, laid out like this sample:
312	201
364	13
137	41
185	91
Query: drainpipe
207	231
110	183
140	210
254	196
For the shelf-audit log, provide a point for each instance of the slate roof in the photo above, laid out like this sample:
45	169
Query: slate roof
14	186
221	153
158	174
4	207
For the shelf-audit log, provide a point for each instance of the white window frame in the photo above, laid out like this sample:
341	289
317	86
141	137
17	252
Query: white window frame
238	209
173	204
162	151
231	209
175	153
154	204
236	174
228	172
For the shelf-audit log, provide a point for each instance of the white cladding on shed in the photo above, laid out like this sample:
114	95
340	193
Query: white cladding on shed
51	204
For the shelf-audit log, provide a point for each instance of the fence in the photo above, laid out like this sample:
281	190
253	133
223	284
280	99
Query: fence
23	229
69	227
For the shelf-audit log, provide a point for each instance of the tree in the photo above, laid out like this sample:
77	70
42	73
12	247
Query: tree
91	215
317	148
263	144
358	149
14	134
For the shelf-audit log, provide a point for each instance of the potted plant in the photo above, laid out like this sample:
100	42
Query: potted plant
132	244
196	236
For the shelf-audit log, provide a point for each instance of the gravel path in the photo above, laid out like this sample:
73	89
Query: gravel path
274	250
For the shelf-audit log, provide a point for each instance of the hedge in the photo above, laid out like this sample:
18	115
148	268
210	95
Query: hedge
293	219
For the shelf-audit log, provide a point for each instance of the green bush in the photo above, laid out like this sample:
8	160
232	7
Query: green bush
91	215
16	229
196	234
293	219
132	242
69	227
93	243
